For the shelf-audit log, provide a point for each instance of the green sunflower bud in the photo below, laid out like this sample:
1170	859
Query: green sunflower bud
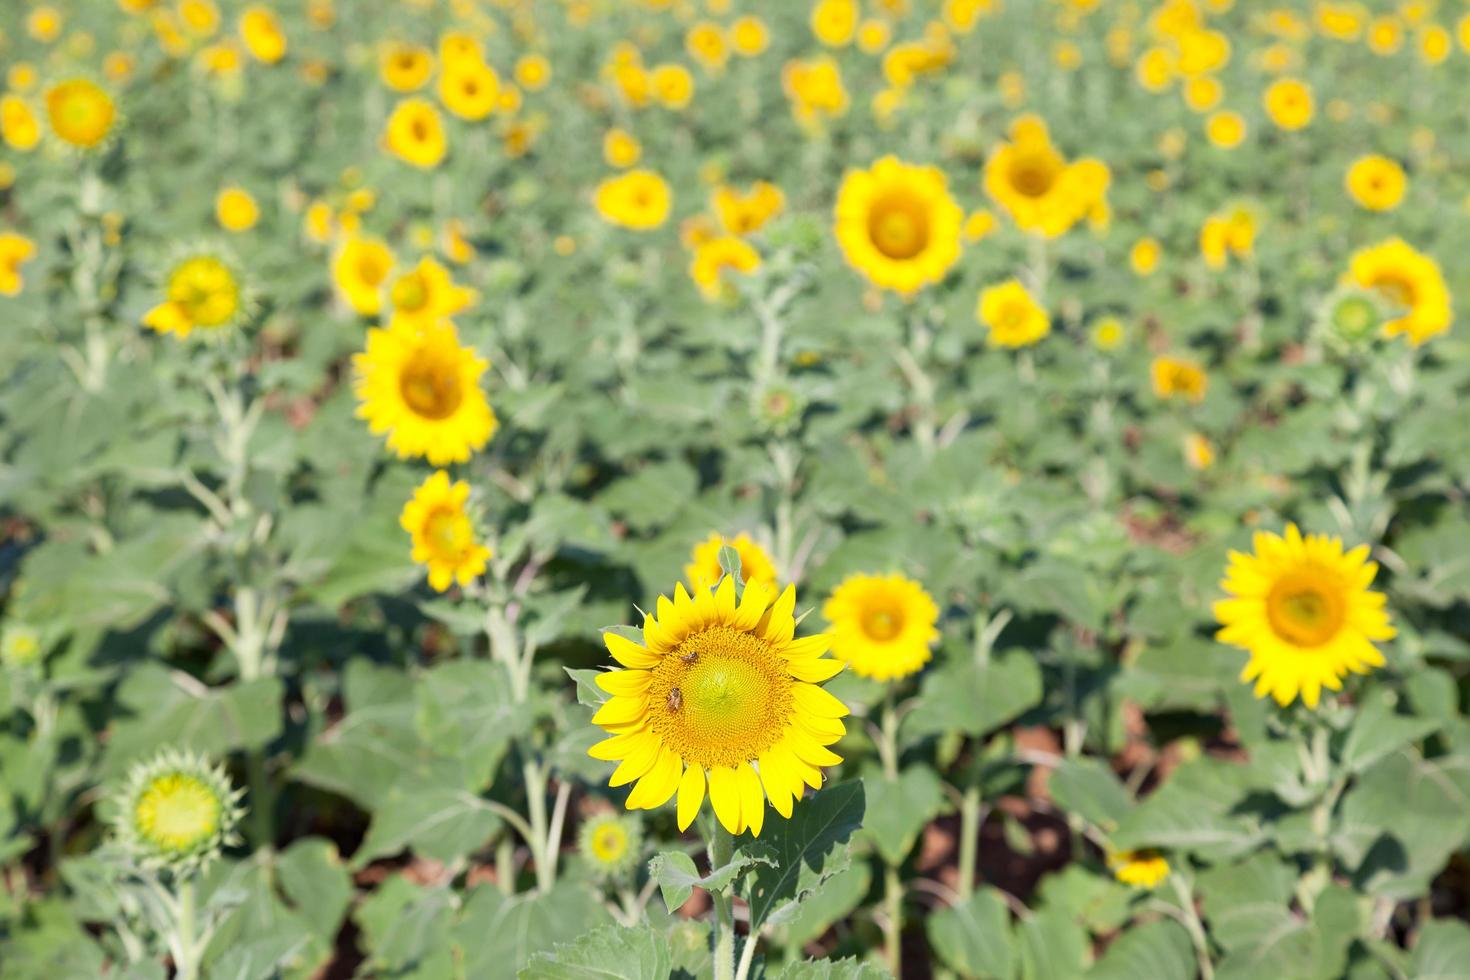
611	843
176	811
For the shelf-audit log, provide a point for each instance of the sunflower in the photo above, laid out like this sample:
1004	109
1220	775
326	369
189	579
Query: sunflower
1225	129
746	212
756	567
405	67
1289	103
15	250
262	34
882	625
1176	378
611	843
1376	183
360	271
176	811
814	88
721	697
443	537
898	225
717	256
1302	608
20	645
1015	319
19	127
469	89
422	388
1041	191
81	113
1108	334
235	209
426	294
1144	256
415	134
532	72
1412	282
638	199
620	148
1144	868
673	86
200	291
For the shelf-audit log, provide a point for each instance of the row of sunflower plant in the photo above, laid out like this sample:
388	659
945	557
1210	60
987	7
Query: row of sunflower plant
994	421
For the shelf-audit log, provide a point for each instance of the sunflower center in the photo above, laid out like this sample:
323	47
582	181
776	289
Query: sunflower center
609	843
430	386
899	226
1304	609
720	698
1397	288
370	270
1032	175
205	290
1011	317
177	812
882	623
448	532
419	129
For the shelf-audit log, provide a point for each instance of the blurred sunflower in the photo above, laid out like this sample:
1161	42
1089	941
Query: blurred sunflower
1176	378
611	843
745	213
80	112
1014	317
15	251
470	90
756	567
1289	103
1035	184
721	697
1412	282
235	209
415	134
405	67
418	385
427	294
201	290
1301	607
360	271
443	536
717	257
176	811
262	34
1376	183
897	224
19	126
882	625
638	199
1144	868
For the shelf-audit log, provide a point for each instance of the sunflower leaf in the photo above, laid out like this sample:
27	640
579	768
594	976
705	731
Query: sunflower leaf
805	850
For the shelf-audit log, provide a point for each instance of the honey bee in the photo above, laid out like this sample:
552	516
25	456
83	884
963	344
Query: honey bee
690	657
675	700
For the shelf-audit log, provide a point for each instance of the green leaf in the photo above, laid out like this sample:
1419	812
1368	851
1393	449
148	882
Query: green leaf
314	879
442	823
588	693
677	875
1378	730
608	953
466	712
161	708
497	934
897	810
406	929
844	969
975	938
973	699
1088	788
1442	950
1192	810
1053	946
1246	901
1158	950
831	901
805	850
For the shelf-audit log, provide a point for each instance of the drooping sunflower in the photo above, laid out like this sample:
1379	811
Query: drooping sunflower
1302	608
360	271
1412	282
1144	868
1376	183
1014	317
176	811
443	535
720	697
426	294
898	225
756	566
638	199
418	385
201	291
81	112
882	625
1038	188
415	134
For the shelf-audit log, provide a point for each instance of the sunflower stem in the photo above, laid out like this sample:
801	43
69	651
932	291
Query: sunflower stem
721	850
969	841
186	955
888	740
1195	928
893	913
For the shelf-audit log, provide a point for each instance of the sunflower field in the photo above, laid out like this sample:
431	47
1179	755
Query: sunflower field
801	489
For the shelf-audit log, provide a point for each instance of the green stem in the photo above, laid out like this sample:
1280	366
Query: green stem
888	738
536	804
969	841
893	912
187	966
1195	928
262	800
721	850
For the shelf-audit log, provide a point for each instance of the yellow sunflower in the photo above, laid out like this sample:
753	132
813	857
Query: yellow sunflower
718	256
882	625
360	271
19	127
261	31
1376	183
1289	103
1015	318
1038	188
415	134
898	225
1177	378
704	568
744	213
235	209
638	199
443	537
1412	282
405	67
426	294
15	250
720	696
80	111
422	388
1302	608
469	89
200	291
1142	869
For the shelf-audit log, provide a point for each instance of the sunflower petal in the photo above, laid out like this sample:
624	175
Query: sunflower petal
691	795
620	710
752	799
628	653
724	796
628	683
815	700
815	670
